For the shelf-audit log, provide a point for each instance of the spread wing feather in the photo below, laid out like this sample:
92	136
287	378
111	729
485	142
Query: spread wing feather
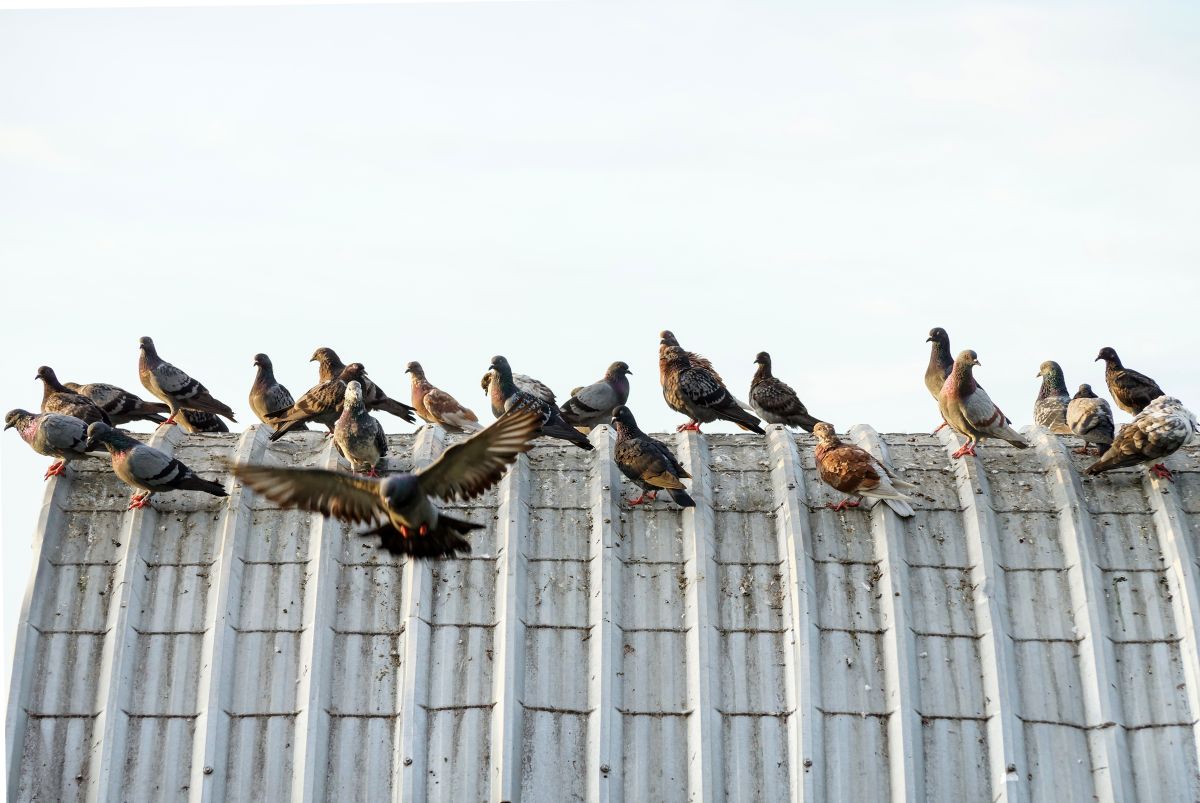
469	468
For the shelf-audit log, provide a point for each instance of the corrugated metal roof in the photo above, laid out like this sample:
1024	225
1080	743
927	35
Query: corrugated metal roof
1029	635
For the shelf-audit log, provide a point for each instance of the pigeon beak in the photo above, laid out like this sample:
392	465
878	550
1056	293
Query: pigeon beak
629	371
929	340
9	426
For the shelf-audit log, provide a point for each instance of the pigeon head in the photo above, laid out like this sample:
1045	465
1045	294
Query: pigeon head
1050	368
325	355
673	355
618	368
667	338
401	490
415	369
967	358
353	371
354	394
262	361
147	345
938	335
825	432
16	418
623	416
46	374
500	365
1109	355
99	433
762	358
1085	392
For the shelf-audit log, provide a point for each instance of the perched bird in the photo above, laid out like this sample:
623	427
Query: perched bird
147	468
321	404
647	461
399	507
357	435
969	411
1131	390
774	400
697	392
58	398
1050	408
533	387
852	470
940	362
1156	432
191	421
121	406
1090	418
266	394
513	399
667	337
594	404
330	367
174	387
51	434
436	406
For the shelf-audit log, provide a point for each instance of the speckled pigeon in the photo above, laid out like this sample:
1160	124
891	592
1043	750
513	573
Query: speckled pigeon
58	398
267	395
1090	418
51	434
514	399
1131	390
533	387
436	406
191	421
594	404
175	387
698	392
667	338
1155	433
121	406
969	411
1050	408
774	400
321	404
648	462
853	470
357	435
330	367
147	468
399	507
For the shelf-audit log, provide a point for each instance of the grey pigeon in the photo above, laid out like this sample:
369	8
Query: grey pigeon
774	400
1155	433
147	468
51	434
321	404
267	395
121	406
436	406
648	462
1050	408
175	387
524	382
697	391
853	470
513	399
191	421
399	507
940	362
594	404
1090	418
970	412
58	398
357	435
331	366
1131	390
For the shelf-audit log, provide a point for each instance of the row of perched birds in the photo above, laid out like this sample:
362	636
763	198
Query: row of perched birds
78	419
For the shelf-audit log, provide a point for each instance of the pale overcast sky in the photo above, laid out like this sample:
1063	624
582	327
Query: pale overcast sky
559	181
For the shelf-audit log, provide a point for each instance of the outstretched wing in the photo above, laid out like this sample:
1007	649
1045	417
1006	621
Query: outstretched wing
349	498
467	469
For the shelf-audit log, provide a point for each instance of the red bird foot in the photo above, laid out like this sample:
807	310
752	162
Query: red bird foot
55	469
407	532
138	501
169	422
371	472
1162	472
644	498
940	427
842	505
966	448
691	426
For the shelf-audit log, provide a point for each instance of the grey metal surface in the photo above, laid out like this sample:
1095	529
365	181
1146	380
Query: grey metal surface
1029	635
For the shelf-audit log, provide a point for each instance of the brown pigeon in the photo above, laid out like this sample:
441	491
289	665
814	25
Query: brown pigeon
852	470
330	367
1158	431
648	462
1050	408
58	398
267	395
1131	390
121	406
436	406
173	386
321	404
969	411
774	400
696	391
1090	418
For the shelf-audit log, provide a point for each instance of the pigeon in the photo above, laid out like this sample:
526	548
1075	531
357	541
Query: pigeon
969	411
58	398
359	437
940	363
399	507
1090	418
647	461
1131	390
852	470
436	406
373	396
774	400
321	404
528	384
147	468
176	388
51	434
1156	432
1050	409
121	406
267	395
513	399
594	404
667	337
697	392
191	422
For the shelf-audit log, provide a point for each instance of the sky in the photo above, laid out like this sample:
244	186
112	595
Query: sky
558	181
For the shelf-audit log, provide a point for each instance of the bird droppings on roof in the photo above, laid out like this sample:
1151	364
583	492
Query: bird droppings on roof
1030	633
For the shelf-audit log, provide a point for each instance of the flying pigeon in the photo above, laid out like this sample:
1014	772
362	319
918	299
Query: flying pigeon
533	387
267	395
852	470
667	338
357	435
399	507
147	468
121	406
436	406
176	388
191	421
514	399
1050	409
594	404
1158	431
969	411
373	396
321	404
647	461
1090	418
1131	390
51	434
774	400
58	398
697	392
